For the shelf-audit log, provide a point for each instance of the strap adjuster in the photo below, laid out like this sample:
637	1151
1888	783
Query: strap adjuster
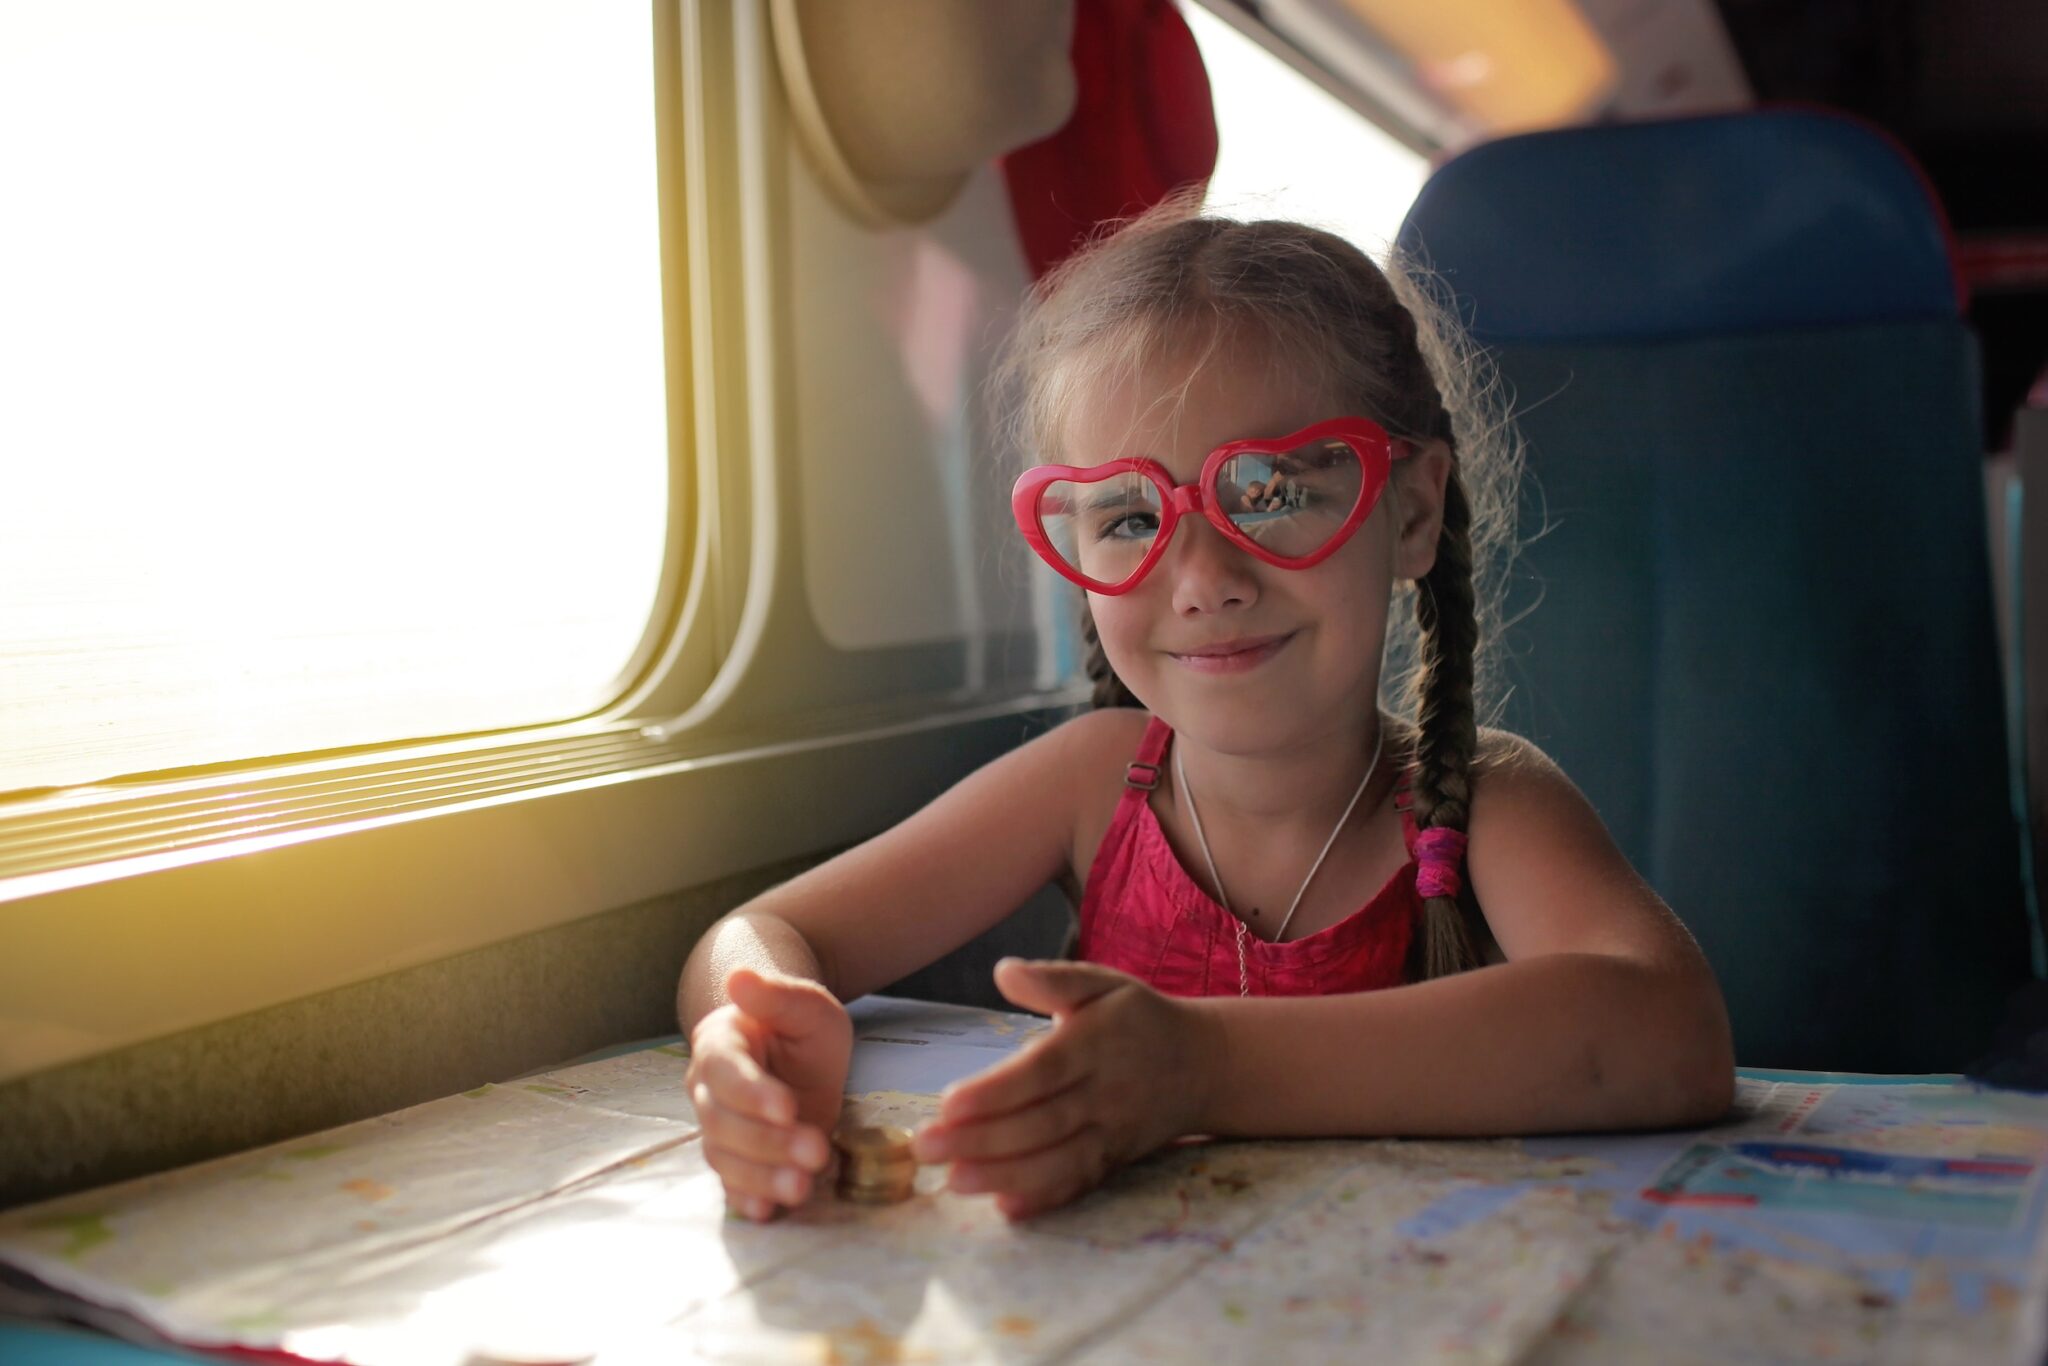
1145	782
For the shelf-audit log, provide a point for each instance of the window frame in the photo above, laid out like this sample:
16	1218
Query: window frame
134	909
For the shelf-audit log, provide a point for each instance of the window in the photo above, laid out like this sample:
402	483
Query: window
333	352
1288	149
507	420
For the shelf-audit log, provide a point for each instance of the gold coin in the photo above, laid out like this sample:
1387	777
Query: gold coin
876	1165
886	1139
879	1190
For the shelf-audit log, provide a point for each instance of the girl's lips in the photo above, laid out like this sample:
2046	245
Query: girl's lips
1236	656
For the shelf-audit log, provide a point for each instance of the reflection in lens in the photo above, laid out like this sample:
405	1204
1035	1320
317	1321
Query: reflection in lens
1102	529
1292	502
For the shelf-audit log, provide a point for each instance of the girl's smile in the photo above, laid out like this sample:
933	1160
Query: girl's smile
1233	656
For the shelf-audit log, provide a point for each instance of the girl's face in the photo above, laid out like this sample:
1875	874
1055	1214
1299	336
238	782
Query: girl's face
1239	655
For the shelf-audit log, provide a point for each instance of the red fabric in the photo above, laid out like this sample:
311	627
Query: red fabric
1142	127
1143	914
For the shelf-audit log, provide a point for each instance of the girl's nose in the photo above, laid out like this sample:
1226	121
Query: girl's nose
1209	574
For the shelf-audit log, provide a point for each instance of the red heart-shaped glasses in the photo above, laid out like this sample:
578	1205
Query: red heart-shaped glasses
1291	501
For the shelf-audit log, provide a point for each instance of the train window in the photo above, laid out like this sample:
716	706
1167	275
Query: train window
1287	148
333	353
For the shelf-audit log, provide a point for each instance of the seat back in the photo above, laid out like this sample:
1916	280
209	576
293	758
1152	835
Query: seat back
1764	645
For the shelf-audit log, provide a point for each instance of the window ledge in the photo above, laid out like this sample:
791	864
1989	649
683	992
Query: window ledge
128	913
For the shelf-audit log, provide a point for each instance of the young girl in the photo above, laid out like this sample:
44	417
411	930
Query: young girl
1302	915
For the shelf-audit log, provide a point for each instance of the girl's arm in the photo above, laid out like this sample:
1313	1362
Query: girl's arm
922	888
760	996
1605	1014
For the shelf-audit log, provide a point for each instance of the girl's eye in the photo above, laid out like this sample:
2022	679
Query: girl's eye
1127	526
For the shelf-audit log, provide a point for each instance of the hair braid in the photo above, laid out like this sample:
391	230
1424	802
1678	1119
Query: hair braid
1109	689
1447	732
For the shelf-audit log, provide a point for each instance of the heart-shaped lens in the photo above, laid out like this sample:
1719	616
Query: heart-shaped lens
1292	502
1102	529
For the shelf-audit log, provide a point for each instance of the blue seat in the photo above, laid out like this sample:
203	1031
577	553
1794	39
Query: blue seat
39	1344
1764	645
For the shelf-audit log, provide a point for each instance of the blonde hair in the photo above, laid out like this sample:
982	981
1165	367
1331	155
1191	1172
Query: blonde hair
1384	345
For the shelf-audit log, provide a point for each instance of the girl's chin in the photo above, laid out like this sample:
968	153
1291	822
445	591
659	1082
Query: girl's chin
1238	715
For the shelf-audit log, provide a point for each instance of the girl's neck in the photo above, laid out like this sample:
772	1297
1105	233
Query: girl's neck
1309	781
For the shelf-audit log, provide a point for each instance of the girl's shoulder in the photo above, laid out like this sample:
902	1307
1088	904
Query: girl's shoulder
1077	759
1510	775
1522	802
1102	741
1498	753
1544	869
1503	750
1516	758
1098	747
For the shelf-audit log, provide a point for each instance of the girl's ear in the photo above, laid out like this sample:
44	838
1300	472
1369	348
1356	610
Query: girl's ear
1419	507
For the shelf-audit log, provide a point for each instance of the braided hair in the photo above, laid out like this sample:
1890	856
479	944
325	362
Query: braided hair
1381	340
1106	689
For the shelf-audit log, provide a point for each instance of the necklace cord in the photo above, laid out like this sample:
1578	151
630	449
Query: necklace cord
1195	817
1180	775
1379	742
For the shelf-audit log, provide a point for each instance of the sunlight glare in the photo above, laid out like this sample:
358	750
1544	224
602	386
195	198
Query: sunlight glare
1288	149
333	344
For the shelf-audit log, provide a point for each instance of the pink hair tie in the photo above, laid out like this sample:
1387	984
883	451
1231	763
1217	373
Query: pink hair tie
1438	852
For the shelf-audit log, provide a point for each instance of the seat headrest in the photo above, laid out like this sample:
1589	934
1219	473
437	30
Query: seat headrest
1750	222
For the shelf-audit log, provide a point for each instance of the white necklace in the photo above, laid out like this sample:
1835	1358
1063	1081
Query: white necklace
1180	776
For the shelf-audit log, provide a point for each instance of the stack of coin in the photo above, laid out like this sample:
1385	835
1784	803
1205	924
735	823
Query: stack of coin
875	1163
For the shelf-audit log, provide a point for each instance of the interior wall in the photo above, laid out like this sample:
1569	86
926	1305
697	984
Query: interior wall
359	1050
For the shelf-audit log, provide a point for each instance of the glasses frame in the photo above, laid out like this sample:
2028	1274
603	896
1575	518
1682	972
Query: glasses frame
1369	440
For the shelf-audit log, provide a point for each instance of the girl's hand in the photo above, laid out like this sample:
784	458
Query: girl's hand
1121	1073
767	1074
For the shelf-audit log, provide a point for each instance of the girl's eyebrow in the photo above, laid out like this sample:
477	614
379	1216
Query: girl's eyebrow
1109	498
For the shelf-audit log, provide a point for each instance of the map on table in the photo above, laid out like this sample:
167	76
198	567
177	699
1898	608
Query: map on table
570	1216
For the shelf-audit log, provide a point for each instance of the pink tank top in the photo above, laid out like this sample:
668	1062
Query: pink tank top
1143	914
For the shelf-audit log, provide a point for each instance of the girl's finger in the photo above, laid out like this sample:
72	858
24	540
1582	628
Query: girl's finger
1042	1070
788	1006
738	1083
1015	1207
1056	987
797	1145
752	1180
1028	1130
1039	1180
731	1031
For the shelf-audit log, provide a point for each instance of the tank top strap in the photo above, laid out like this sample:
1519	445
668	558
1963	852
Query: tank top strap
1143	773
